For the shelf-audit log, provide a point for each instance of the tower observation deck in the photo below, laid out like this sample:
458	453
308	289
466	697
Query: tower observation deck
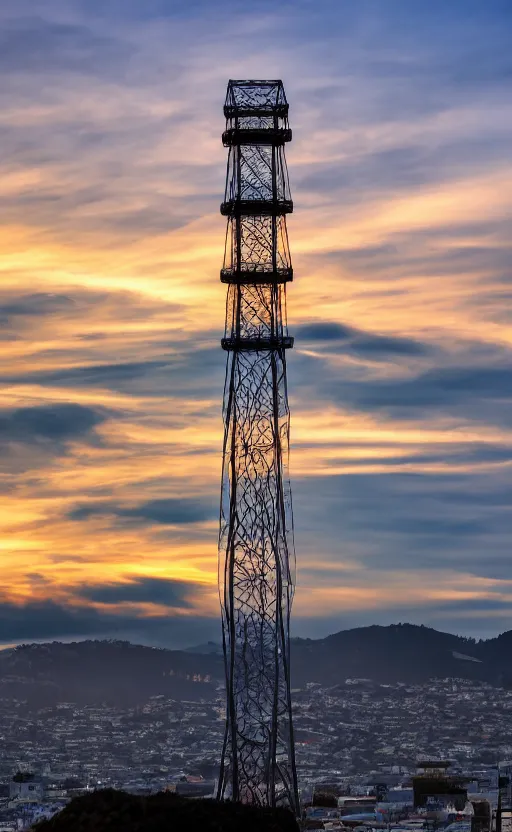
256	551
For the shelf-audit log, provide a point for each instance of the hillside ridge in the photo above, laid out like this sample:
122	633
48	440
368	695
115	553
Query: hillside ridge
125	674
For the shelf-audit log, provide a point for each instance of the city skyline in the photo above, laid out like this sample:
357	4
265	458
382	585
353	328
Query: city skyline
112	310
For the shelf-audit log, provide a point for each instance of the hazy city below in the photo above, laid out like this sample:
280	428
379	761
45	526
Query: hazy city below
88	715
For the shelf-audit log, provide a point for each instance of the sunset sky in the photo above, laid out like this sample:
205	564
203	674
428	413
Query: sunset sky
111	311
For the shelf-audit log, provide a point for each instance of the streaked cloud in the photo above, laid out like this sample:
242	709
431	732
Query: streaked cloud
167	512
111	310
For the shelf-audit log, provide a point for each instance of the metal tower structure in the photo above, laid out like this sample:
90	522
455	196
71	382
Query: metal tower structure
256	550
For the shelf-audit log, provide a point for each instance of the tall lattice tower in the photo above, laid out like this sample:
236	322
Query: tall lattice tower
257	559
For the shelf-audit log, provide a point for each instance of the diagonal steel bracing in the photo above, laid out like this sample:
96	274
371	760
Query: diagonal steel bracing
256	554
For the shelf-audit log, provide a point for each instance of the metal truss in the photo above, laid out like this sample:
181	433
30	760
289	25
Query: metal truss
256	551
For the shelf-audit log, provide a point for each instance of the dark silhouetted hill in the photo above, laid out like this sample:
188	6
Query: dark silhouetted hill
124	674
114	672
206	649
116	811
398	653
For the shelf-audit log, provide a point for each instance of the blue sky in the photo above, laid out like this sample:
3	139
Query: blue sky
111	311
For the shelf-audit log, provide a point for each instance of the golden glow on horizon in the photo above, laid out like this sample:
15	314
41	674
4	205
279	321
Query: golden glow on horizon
130	297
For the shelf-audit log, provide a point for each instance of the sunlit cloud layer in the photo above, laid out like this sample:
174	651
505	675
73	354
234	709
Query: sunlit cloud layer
111	311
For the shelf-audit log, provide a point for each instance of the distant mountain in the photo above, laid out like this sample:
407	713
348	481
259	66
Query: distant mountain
206	649
115	672
398	653
121	673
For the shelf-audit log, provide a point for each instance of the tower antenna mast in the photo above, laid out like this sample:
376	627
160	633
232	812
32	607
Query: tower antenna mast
256	549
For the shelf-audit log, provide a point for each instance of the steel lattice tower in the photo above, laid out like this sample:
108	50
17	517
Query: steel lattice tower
256	551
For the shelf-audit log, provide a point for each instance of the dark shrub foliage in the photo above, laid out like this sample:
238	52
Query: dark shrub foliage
325	799
109	810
